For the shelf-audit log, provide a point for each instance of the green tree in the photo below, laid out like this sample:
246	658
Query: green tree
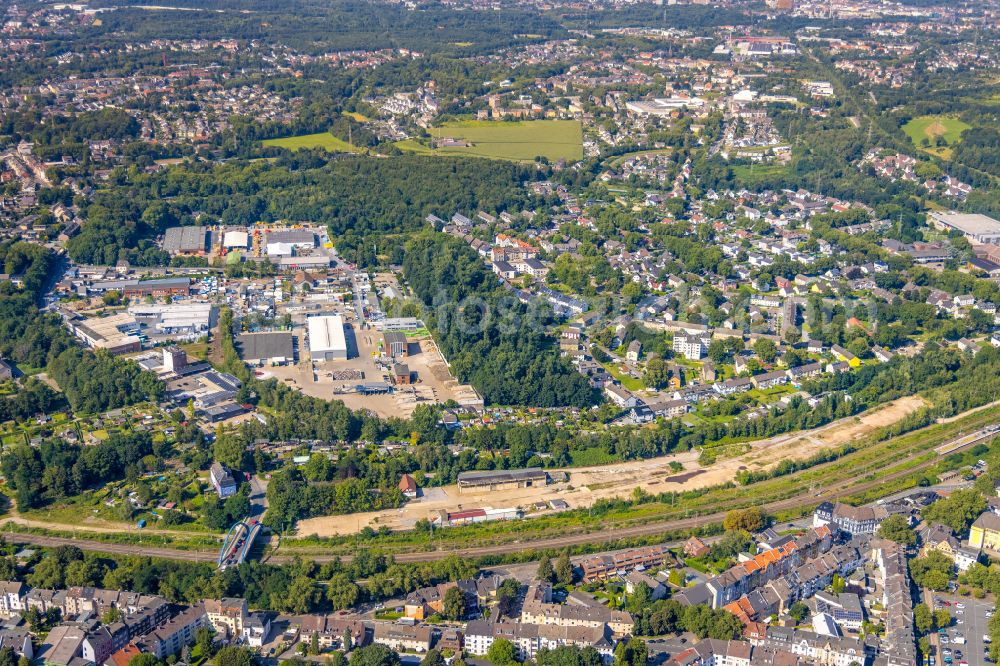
923	618
933	571
204	640
798	611
454	604
303	595
545	571
897	528
750	519
342	592
766	350
144	659
374	655
639	599
632	652
501	653
231	451
564	569
656	375
432	658
957	511
232	655
49	573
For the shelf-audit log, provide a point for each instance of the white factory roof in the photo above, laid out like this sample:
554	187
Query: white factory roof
664	105
196	316
280	249
236	239
326	333
969	223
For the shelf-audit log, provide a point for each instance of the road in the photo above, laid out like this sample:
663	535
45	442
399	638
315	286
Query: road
805	498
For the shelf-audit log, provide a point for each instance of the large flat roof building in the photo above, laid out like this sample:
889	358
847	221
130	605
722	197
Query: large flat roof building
185	240
502	479
266	348
116	333
296	237
663	106
236	240
178	319
981	228
327	341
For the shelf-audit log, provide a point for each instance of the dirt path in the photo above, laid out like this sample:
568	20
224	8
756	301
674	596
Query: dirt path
831	492
99	527
587	485
949	419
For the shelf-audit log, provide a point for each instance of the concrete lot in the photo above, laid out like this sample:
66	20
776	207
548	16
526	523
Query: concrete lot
970	622
432	383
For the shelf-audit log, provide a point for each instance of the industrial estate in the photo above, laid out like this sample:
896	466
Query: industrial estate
455	333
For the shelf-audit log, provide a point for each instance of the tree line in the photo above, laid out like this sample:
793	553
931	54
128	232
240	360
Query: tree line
38	340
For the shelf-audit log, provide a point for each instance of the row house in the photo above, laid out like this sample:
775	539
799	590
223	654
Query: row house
330	630
528	639
769	379
602	567
817	649
571	615
769	565
173	635
427	601
802	372
851	519
893	578
403	637
228	616
12	594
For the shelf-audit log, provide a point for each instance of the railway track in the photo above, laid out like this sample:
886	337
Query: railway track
604	534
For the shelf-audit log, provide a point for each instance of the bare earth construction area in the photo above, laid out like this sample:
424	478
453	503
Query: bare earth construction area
586	485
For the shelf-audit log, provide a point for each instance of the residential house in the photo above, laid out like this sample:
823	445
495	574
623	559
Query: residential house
403	637
227	616
985	532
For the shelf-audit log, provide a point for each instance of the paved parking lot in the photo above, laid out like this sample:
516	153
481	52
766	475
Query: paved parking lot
970	622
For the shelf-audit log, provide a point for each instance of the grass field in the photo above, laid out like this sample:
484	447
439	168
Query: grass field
518	141
323	140
931	127
757	173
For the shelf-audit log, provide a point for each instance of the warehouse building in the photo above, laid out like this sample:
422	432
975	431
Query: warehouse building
327	341
117	333
185	240
301	238
980	228
396	345
159	288
266	348
236	240
180	320
501	479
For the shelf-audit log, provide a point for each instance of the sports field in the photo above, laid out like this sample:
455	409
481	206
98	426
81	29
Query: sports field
521	141
323	140
931	127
